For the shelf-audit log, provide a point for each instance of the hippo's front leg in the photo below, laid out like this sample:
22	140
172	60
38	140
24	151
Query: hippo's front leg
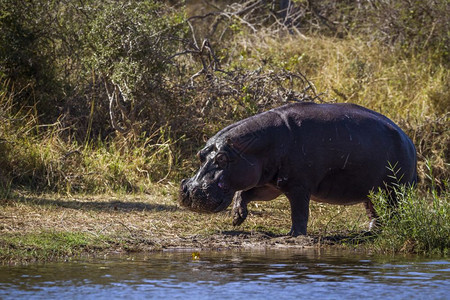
239	211
299	199
242	198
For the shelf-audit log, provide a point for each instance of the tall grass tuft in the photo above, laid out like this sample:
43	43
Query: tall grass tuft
420	222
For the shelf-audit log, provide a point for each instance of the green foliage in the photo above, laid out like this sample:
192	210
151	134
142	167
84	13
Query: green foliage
58	56
26	53
47	245
419	223
126	44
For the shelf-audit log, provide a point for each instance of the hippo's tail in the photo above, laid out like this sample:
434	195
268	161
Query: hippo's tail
415	181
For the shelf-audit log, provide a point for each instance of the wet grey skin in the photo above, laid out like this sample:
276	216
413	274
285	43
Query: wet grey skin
331	153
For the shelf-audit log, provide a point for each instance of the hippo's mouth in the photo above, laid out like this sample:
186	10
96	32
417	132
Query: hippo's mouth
208	204
212	199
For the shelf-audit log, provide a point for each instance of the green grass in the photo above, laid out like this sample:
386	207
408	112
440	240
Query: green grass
419	224
48	245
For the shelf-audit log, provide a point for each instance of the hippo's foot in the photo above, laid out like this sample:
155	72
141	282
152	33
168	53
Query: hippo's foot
239	213
296	231
375	226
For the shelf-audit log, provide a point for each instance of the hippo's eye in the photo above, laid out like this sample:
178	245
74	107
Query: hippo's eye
221	160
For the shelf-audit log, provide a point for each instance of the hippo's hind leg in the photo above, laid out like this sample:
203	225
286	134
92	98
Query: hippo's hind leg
243	198
391	195
373	216
299	198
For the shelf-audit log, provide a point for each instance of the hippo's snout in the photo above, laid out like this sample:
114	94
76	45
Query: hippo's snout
207	199
185	198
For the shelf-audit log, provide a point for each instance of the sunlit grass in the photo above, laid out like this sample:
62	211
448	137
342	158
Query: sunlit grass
47	245
357	71
419	223
42	158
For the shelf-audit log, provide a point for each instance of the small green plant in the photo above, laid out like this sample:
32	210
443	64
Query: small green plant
418	223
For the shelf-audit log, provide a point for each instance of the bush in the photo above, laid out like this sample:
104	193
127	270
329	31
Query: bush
413	25
27	49
38	158
59	56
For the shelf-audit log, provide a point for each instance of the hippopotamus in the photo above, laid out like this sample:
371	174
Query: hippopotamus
329	152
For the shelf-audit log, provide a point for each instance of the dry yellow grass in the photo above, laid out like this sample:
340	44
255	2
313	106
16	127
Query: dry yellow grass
354	70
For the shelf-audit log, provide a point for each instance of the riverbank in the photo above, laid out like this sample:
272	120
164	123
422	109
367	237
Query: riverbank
53	227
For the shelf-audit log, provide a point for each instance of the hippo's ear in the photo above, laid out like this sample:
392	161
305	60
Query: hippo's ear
203	153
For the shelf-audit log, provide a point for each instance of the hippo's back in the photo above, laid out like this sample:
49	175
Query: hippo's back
347	149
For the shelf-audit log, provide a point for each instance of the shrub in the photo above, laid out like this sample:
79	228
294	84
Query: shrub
27	49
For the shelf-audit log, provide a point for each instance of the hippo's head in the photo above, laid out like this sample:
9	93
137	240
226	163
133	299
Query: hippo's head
225	169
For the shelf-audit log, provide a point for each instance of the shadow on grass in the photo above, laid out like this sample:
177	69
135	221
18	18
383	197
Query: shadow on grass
113	205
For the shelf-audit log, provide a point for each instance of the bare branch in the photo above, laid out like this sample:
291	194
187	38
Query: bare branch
113	100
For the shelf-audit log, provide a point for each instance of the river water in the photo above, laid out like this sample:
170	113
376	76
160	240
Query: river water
262	274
